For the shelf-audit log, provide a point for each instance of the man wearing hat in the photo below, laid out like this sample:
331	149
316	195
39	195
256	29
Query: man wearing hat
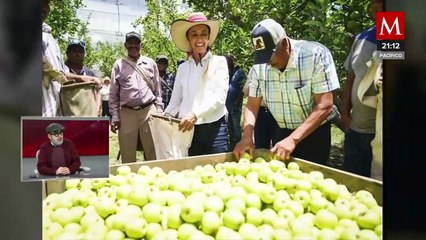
135	94
76	51
296	79
167	79
58	156
201	85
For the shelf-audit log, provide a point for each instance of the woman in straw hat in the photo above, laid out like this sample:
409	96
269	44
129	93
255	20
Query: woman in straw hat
105	96
201	85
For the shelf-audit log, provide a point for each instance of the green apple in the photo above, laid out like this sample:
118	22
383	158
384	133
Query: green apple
144	169
280	234
219	167
248	231
64	201
117	180
325	219
265	231
301	227
238	180
379	230
293	166
159	197
80	199
242	167
295	174
342	208
222	190
236	203
173	216
135	227
267	194
302	197
123	170
67	236
367	219
276	164
247	156
254	216
98	183
192	211
225	233
214	203
152	212
230	167
357	208
327	234
124	191
281	223
61	216
280	202
86	183
264	173
295	207
131	210
207	176
379	211
53	230
210	222
347	229
50	202
152	229
268	216
174	197
72	183
233	218
114	234
186	230
331	191
252	176
317	203
315	177
138	197
105	207
91	219
287	214
304	185
72	227
367	234
253	200
76	213
259	160
366	198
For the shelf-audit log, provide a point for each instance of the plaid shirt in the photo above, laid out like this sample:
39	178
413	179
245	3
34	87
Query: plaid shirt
169	78
289	94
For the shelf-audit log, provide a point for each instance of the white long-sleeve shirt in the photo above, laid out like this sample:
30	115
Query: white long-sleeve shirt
201	89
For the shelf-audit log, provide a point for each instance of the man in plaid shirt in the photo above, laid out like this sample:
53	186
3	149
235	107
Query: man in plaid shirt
296	79
167	79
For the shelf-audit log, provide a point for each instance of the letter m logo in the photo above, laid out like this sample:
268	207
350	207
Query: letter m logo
390	25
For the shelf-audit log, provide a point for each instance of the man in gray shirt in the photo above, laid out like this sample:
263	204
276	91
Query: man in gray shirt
135	94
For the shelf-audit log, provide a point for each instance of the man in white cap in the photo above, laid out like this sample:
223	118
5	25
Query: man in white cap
296	79
135	94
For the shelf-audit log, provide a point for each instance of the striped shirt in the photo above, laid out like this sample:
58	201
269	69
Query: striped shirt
52	52
289	94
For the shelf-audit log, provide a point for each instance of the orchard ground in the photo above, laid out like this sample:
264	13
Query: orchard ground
336	153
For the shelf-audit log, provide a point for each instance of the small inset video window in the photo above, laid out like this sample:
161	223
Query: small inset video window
64	147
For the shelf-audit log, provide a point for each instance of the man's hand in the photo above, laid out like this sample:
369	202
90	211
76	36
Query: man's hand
187	122
284	148
346	122
62	171
115	126
242	146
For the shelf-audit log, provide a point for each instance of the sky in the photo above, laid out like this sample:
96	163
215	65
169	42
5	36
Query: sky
110	20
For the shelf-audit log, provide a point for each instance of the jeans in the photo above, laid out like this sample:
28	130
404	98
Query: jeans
264	128
234	127
210	138
315	147
358	153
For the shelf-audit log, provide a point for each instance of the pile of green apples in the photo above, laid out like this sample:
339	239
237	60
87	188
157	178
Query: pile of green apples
248	199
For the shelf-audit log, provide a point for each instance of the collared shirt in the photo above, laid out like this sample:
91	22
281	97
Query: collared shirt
52	53
201	89
169	79
363	118
84	71
129	88
289	94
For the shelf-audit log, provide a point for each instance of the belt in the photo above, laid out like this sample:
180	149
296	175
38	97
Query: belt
139	107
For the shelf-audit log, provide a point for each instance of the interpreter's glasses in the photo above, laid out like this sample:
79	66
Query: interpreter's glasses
57	133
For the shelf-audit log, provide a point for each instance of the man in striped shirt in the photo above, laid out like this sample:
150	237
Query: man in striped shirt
296	79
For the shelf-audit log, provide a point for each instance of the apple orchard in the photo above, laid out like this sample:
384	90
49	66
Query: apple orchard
248	199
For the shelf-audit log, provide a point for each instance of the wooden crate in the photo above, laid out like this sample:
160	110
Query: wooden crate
352	181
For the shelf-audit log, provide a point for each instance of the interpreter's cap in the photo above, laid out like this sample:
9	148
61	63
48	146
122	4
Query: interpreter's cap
180	27
76	43
162	58
133	34
265	36
55	127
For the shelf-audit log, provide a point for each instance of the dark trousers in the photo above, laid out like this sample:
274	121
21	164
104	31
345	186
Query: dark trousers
105	109
314	148
264	129
234	127
210	138
358	153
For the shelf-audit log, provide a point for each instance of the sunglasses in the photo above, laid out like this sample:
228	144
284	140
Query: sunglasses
57	133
